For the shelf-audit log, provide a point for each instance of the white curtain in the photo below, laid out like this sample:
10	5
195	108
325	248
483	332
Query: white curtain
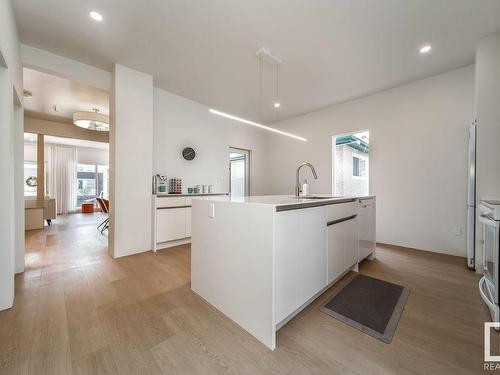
62	177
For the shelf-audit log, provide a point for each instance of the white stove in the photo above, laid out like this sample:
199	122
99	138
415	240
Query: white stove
489	284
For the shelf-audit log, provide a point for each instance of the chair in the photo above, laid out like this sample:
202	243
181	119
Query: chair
104	205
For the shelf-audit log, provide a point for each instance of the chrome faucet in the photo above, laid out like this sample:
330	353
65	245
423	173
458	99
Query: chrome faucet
298	188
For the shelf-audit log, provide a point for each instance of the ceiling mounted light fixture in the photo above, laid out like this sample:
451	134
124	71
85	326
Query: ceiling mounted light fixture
96	16
266	55
276	95
248	122
91	120
425	49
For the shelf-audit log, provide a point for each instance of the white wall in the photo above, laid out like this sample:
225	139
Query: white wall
10	88
131	162
488	132
418	163
180	122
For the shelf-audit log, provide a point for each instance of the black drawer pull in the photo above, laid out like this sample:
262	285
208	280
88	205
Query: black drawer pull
341	220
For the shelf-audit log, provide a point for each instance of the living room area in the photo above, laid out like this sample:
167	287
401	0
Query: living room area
66	160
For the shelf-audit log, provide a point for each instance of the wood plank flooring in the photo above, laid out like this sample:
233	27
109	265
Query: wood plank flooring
78	311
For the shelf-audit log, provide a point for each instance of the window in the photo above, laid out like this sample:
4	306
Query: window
92	182
358	167
351	163
239	174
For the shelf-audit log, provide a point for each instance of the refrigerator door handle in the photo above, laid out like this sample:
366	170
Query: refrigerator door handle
486	298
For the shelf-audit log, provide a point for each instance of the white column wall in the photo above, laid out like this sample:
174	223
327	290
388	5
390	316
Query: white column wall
18	124
131	162
10	87
7	192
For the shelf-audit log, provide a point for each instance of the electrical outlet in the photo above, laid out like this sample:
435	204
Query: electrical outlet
211	210
457	231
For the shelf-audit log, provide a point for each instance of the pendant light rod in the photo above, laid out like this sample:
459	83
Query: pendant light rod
276	92
260	88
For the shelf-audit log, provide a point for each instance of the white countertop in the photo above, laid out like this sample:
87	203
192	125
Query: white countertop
164	195
281	200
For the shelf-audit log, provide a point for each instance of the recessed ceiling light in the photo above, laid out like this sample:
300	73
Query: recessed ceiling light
425	49
96	16
277	105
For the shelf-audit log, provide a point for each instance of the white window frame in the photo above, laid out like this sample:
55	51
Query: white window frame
365	159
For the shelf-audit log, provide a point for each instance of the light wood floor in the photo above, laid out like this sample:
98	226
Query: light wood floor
77	311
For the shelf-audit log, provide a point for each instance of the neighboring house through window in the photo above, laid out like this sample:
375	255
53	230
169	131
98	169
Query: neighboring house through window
358	166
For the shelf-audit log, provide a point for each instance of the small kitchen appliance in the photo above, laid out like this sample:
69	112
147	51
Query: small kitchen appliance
159	183
175	186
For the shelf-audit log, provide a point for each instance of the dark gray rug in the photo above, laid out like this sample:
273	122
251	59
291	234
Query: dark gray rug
371	305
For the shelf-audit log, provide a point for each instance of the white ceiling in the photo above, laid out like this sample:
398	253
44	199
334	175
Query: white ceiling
49	91
333	50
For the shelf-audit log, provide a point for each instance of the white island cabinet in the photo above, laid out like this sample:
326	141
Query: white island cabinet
261	260
172	219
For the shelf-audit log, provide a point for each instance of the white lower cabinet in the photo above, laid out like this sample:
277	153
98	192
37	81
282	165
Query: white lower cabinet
366	217
300	258
172	220
287	264
188	221
170	224
310	254
342	247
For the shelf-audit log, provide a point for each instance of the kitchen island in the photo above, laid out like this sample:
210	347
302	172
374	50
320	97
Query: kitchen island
261	259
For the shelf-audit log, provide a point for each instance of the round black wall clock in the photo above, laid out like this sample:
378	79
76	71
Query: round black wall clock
188	153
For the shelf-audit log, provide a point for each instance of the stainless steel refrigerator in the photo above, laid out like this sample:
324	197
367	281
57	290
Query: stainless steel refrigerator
471	198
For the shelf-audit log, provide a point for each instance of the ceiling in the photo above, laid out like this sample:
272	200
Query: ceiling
332	50
49	92
32	138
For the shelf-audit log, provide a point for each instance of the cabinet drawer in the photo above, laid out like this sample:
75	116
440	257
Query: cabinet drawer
341	210
170	202
170	224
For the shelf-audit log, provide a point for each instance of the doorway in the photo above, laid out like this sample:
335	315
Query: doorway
351	163
66	164
239	172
